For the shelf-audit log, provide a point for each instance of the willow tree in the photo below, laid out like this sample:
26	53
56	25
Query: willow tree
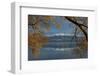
39	24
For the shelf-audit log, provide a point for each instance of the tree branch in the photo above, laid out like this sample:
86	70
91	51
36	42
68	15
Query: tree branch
80	26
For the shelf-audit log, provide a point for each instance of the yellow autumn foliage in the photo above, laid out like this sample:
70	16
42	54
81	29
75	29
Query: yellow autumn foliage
36	41
48	17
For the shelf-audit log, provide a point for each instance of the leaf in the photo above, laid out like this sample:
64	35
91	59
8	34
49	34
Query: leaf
58	26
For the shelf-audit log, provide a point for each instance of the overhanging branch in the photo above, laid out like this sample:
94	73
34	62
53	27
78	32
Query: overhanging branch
80	26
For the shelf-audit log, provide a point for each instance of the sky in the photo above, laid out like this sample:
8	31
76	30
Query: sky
66	26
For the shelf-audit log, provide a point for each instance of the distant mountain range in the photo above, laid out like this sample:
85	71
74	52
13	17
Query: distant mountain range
61	37
61	34
62	41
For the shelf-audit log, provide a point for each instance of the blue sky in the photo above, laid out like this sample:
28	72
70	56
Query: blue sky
66	26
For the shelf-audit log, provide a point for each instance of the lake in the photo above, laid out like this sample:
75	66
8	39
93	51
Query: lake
59	47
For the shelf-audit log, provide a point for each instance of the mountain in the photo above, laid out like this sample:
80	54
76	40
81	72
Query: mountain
61	34
61	41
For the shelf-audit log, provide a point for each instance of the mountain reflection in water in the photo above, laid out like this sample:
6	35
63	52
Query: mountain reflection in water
58	47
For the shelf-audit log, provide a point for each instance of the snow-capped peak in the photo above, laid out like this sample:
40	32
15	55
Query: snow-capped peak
59	34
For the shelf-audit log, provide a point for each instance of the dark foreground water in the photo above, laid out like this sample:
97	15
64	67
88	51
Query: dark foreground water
52	53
